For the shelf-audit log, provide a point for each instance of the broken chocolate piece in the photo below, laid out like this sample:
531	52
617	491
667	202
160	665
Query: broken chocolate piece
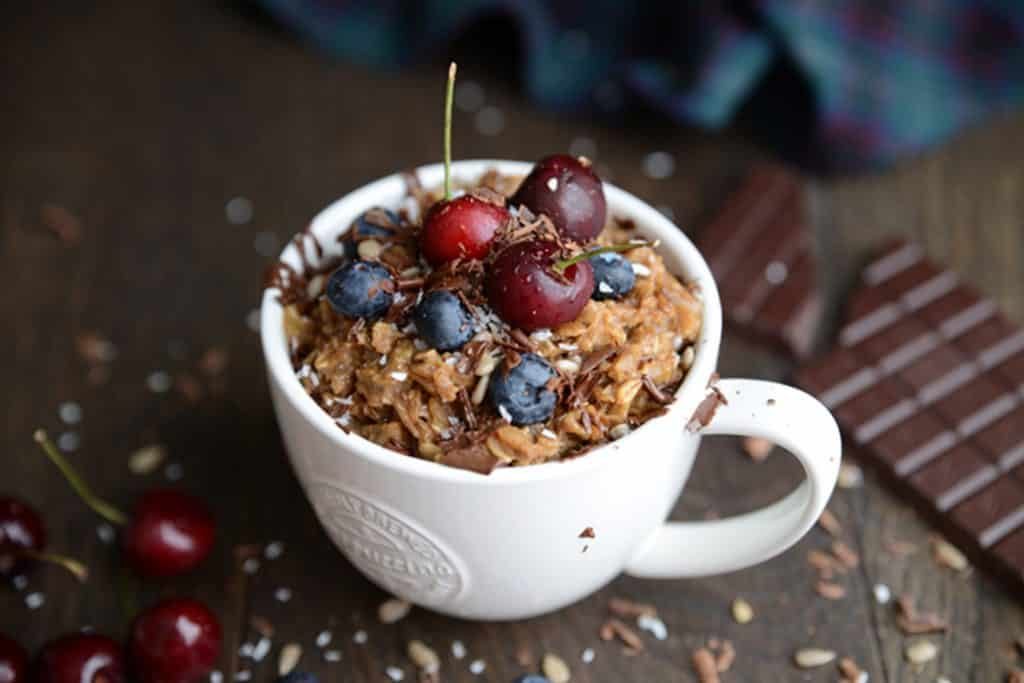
758	247
926	381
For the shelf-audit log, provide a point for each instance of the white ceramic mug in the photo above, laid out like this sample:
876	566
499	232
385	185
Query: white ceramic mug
507	545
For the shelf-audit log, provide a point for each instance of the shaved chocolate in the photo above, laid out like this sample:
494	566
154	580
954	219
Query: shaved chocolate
758	247
706	410
926	380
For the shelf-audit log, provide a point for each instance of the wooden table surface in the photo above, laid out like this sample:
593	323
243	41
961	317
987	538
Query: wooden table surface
143	121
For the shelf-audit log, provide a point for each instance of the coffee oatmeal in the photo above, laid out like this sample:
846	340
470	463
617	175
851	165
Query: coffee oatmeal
391	374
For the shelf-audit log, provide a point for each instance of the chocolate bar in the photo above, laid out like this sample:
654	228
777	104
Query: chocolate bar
758	247
927	380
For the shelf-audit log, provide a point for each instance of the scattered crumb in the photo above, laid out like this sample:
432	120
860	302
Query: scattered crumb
587	656
332	656
324	638
273	550
882	594
106	532
846	555
70	412
360	637
394	673
477	667
614	628
458	649
35	600
921	651
250	565
423	656
283	594
652	625
830	590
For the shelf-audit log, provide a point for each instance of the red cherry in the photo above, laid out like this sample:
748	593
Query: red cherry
13	661
568	192
21	530
464	226
169	533
525	290
175	641
81	658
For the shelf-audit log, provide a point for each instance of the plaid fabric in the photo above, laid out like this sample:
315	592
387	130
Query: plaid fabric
831	84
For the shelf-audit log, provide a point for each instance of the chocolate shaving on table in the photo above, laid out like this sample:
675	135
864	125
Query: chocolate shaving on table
705	665
706	409
656	393
616	628
588	533
628	609
913	622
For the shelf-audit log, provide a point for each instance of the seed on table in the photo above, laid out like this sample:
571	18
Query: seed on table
882	594
652	625
393	610
921	651
587	656
555	668
850	476
704	665
742	612
323	639
948	555
477	667
146	459
423	656
458	649
811	657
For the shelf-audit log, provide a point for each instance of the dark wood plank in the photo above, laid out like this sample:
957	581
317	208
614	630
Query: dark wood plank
144	121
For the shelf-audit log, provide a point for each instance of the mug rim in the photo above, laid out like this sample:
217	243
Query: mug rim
336	218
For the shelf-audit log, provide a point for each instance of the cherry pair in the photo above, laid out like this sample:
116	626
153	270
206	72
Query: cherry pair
175	641
168	533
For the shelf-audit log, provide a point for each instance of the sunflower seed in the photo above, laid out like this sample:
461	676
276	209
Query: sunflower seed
393	610
555	668
147	459
742	612
948	555
921	651
423	656
811	657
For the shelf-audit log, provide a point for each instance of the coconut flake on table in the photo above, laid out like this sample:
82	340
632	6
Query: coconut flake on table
477	667
70	412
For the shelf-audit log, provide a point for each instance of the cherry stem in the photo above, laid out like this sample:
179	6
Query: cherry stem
98	505
449	96
560	266
73	567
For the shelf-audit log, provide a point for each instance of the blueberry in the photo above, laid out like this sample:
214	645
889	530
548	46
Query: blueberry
362	228
443	321
298	677
613	276
532	678
520	394
360	289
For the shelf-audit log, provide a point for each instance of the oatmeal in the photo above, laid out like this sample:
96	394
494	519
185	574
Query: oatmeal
386	354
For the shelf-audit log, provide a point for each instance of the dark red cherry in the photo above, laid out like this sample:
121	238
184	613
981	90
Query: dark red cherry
13	661
524	288
21	530
81	658
175	641
169	533
464	226
567	191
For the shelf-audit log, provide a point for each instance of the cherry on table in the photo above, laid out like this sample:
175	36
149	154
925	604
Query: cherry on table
169	532
175	641
81	658
13	661
526	290
23	540
566	190
462	227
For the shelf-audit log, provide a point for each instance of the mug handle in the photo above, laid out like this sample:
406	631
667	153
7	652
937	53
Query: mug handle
787	417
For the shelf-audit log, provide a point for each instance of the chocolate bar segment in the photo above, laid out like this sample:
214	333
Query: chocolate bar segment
928	381
758	247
